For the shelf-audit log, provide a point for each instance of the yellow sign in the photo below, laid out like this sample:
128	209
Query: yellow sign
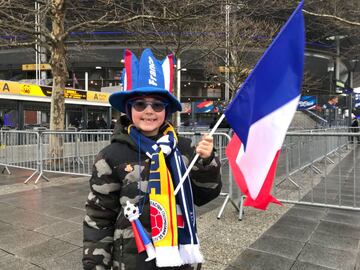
7	87
74	94
33	90
98	96
30	67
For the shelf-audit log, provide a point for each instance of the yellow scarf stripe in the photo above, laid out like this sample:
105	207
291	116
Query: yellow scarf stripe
166	199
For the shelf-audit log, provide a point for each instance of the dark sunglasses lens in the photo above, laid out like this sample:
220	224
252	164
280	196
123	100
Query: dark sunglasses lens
158	106
139	105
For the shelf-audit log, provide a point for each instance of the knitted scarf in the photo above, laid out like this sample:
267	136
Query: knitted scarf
173	221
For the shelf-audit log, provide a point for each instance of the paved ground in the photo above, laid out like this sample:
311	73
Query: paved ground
314	238
41	228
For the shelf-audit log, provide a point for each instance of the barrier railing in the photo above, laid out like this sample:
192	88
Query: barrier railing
19	149
309	151
47	151
330	161
221	140
77	153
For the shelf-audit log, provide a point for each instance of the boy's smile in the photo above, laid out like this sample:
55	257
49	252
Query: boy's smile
148	121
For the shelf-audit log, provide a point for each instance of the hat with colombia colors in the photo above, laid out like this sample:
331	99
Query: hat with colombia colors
147	77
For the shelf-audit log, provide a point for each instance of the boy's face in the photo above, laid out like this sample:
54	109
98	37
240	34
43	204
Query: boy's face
148	121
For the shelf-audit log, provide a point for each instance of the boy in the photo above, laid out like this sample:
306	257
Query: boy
143	166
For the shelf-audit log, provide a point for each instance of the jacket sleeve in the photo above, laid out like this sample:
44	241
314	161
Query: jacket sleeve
102	208
205	175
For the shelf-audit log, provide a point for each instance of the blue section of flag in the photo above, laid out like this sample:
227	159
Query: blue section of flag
275	80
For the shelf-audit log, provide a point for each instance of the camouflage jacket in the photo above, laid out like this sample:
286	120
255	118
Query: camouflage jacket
108	237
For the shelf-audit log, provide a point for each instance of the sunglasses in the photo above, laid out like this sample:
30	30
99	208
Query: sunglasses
141	105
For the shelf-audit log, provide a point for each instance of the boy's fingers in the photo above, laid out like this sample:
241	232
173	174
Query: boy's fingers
207	138
205	143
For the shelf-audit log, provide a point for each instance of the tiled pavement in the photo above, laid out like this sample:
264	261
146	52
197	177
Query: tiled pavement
41	229
313	238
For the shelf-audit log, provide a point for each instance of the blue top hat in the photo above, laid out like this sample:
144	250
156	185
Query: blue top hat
147	77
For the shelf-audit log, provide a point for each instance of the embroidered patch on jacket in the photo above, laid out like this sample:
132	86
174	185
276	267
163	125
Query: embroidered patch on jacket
129	168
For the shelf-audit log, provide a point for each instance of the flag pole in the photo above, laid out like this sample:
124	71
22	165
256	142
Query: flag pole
197	156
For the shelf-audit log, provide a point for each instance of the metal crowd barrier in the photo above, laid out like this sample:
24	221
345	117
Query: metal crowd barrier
47	151
327	174
221	140
303	152
18	149
77	154
310	151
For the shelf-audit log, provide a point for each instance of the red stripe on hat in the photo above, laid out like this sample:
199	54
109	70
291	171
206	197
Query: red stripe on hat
128	67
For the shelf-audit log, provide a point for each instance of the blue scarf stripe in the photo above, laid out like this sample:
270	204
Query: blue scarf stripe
184	198
177	168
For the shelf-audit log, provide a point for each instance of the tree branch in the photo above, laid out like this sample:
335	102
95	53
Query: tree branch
332	17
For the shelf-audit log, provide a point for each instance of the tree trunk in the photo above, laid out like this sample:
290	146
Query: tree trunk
60	73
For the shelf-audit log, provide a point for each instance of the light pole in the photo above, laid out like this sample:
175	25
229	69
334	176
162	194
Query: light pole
40	51
178	88
37	54
227	57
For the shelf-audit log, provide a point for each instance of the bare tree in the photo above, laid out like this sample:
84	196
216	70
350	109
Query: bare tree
51	23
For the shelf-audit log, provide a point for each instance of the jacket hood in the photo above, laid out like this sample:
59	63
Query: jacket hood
120	132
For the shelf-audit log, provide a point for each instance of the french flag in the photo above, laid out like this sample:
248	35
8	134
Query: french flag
262	110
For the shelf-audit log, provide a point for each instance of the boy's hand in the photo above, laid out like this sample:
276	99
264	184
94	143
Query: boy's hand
205	146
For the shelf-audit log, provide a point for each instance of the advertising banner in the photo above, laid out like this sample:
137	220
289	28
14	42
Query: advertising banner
207	106
98	96
307	103
34	90
204	106
7	87
16	88
74	94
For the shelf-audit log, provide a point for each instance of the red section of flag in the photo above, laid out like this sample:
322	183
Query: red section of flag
264	197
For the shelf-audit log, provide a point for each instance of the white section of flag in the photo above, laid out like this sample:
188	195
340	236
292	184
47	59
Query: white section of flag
265	139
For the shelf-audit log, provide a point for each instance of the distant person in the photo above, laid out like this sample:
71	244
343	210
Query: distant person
354	128
101	123
331	103
81	124
329	109
113	123
91	124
